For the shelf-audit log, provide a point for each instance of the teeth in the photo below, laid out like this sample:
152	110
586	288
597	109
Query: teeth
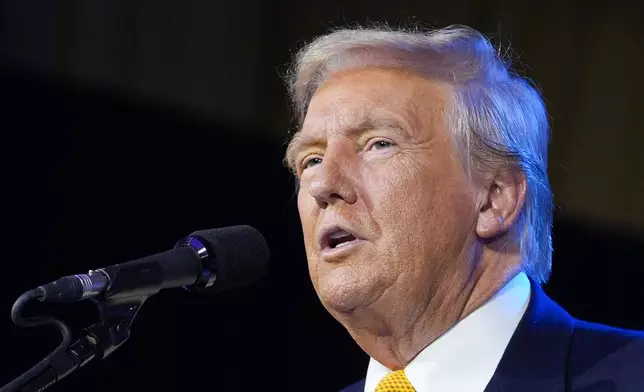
339	234
340	238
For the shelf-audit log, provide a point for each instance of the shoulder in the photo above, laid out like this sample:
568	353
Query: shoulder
603	354
606	331
355	387
597	340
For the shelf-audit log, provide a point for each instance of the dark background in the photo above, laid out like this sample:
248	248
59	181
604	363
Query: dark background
129	124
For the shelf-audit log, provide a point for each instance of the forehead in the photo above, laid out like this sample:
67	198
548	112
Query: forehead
353	97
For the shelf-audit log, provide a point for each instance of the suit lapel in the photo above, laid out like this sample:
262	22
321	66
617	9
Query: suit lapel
357	387
536	357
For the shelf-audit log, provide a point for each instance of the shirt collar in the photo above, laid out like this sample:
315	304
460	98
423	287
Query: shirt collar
465	357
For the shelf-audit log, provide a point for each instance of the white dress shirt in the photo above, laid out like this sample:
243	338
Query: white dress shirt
465	357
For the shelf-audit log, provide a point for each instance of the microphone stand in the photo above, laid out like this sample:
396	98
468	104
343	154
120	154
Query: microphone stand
130	286
95	342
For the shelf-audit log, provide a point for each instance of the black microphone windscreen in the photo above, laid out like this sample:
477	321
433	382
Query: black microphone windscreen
240	252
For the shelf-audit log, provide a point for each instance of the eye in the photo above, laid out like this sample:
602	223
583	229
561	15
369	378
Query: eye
380	144
312	161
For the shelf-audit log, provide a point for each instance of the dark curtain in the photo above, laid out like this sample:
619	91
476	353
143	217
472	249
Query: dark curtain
127	124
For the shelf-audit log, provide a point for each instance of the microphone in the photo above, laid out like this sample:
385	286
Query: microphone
205	261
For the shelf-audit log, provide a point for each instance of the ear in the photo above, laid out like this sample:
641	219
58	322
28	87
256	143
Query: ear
502	202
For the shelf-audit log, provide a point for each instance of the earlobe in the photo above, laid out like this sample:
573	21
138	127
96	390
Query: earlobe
503	202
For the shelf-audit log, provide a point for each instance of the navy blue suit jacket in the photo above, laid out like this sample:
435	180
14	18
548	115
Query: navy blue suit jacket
552	352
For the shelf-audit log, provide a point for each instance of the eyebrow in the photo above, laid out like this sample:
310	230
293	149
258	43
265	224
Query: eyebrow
301	142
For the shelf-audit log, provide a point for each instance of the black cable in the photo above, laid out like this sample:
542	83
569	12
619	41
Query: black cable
45	364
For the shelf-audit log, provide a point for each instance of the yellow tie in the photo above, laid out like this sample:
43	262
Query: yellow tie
394	382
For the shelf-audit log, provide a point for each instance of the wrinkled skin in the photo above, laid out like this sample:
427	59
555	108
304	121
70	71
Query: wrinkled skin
374	154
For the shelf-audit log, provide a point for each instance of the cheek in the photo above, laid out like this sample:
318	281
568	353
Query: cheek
307	210
302	207
422	209
398	192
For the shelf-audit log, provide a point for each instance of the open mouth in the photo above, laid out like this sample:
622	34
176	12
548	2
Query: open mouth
339	239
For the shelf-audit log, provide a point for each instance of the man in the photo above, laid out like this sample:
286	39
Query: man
426	211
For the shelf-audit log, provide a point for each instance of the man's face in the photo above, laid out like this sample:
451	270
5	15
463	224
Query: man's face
387	213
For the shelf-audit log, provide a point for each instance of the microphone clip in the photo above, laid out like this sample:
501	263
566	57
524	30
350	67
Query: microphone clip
95	342
103	338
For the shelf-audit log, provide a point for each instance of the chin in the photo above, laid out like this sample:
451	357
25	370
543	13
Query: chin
341	290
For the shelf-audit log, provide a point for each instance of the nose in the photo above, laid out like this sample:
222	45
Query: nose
331	184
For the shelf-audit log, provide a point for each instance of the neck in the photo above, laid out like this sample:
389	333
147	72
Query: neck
395	341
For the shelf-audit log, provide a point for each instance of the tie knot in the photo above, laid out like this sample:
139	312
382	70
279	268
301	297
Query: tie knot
394	382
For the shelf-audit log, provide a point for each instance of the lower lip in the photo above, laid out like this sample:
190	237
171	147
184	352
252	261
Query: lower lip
339	251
